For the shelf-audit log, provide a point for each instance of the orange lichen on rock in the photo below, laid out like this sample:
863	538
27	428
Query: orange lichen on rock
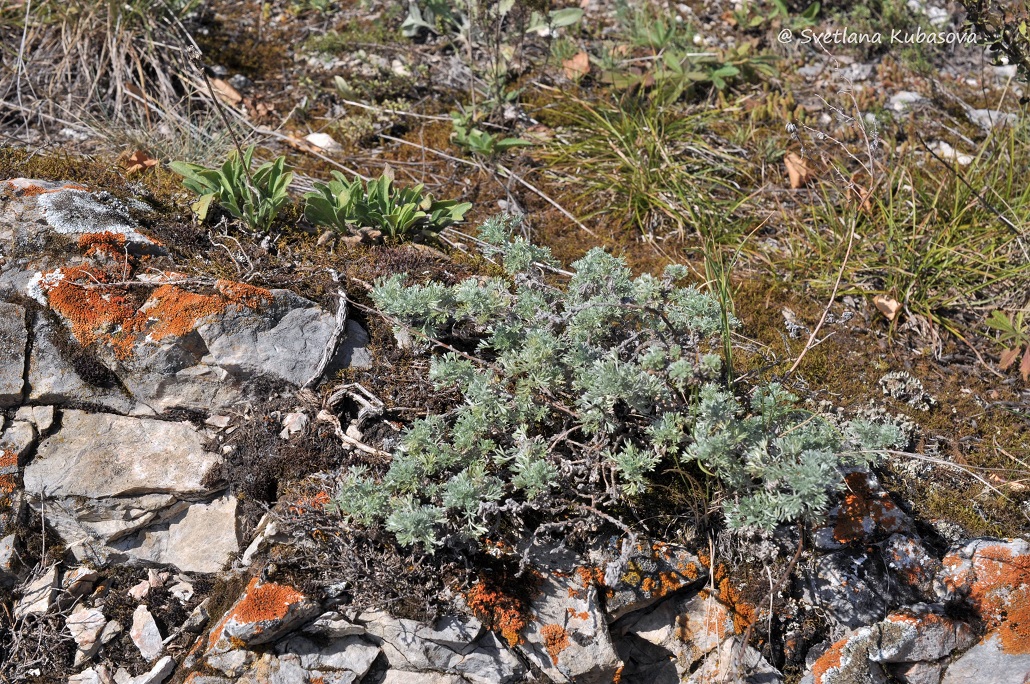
703	625
556	640
7	484
265	602
691	571
742	612
242	294
94	314
105	243
592	576
8	459
830	660
307	503
260	603
1001	595
98	310
498	610
864	512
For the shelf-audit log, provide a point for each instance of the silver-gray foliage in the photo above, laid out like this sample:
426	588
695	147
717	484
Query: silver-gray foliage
575	395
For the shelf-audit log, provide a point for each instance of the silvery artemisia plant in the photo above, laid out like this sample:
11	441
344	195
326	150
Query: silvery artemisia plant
575	395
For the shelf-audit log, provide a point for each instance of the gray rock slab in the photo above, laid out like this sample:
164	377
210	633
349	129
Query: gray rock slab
988	662
569	637
285	340
13	339
200	539
42	417
145	634
38	596
350	653
105	455
53	378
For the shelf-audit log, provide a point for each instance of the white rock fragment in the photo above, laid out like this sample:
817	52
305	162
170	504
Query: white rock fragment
38	595
145	634
323	141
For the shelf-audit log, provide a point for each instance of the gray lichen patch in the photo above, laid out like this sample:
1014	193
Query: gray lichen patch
13	339
75	212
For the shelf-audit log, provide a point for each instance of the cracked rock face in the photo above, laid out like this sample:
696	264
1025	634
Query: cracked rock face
13	340
126	331
132	489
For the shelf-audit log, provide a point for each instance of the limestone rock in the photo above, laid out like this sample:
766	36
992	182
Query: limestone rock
94	675
161	671
332	625
177	345
56	377
850	586
402	677
41	417
352	654
232	663
38	595
919	634
728	665
18	439
285	339
483	661
10	561
13	338
85	625
568	635
262	615
145	634
649	573
683	630
79	581
105	455
119	488
990	661
269	669
199	539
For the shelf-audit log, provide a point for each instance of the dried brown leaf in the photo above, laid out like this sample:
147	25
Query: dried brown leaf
1008	357
225	92
888	306
1024	365
577	66
798	170
137	162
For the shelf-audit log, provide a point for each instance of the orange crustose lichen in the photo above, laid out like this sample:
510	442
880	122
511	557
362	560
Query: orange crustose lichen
498	610
8	461
307	503
100	311
1001	595
863	512
556	640
831	660
259	604
104	243
742	612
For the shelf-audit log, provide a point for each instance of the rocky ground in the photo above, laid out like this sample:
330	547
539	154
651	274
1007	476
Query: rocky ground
178	400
